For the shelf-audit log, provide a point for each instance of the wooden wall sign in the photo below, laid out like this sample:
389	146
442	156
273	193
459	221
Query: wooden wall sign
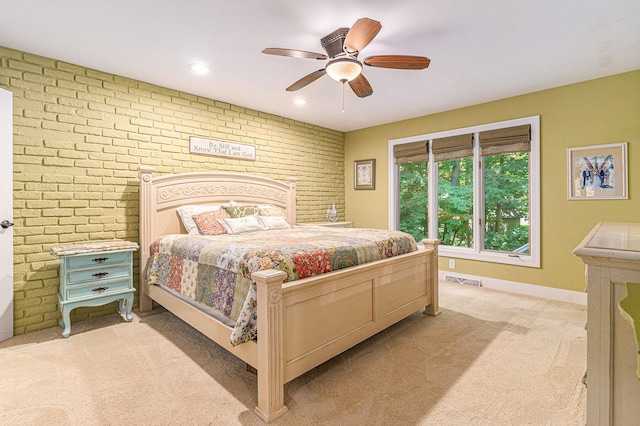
221	148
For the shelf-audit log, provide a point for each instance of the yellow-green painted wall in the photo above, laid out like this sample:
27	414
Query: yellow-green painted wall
602	111
79	137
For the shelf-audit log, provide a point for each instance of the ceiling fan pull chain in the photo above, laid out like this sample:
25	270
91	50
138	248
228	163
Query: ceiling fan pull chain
343	97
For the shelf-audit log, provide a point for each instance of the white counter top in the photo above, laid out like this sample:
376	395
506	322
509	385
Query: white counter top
612	240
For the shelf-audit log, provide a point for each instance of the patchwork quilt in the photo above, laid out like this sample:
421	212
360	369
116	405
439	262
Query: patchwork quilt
215	271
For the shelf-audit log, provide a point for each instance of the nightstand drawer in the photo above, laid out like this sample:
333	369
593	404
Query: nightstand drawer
97	259
97	274
98	289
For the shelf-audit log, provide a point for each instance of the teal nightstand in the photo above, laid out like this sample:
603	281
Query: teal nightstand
94	274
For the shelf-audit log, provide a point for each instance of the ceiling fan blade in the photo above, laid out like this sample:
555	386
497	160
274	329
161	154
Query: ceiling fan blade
307	79
361	86
361	34
294	53
400	62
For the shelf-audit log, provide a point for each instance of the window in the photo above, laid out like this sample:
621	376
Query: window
476	188
411	159
506	202
414	183
455	202
454	157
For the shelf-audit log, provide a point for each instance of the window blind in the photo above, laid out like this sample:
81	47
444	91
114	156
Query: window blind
506	141
411	152
452	147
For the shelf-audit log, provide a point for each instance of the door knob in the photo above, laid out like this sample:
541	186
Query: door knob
5	224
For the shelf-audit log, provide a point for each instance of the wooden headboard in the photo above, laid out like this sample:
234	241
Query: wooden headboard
161	196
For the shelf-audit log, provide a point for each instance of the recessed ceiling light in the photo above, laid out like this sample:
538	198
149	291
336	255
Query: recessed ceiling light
199	68
300	101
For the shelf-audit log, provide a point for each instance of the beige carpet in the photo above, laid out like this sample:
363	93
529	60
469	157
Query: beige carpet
491	358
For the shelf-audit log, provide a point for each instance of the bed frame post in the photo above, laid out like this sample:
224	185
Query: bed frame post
432	277
146	225
270	345
291	201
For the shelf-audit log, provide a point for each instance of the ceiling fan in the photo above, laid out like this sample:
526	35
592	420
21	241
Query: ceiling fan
342	47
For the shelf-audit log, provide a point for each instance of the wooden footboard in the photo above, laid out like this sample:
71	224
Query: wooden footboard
305	323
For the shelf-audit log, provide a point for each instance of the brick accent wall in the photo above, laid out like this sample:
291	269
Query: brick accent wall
79	137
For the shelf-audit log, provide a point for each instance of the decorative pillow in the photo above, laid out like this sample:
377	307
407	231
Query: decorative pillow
186	214
270	210
275	222
208	223
240	225
240	211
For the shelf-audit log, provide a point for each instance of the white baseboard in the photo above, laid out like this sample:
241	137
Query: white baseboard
577	297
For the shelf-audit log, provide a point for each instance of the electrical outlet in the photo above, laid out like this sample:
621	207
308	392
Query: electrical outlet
452	264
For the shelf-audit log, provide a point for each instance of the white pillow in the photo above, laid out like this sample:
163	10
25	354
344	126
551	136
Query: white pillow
275	222
240	225
186	214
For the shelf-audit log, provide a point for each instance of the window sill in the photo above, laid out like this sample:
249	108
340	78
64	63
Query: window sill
486	256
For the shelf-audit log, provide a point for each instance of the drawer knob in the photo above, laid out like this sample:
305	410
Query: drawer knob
100	259
100	289
100	274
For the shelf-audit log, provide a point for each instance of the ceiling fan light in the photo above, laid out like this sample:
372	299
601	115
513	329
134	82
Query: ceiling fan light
344	69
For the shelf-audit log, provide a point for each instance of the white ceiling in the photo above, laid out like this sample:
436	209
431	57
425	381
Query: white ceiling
479	50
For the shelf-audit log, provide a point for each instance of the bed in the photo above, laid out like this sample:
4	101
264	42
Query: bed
351	304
